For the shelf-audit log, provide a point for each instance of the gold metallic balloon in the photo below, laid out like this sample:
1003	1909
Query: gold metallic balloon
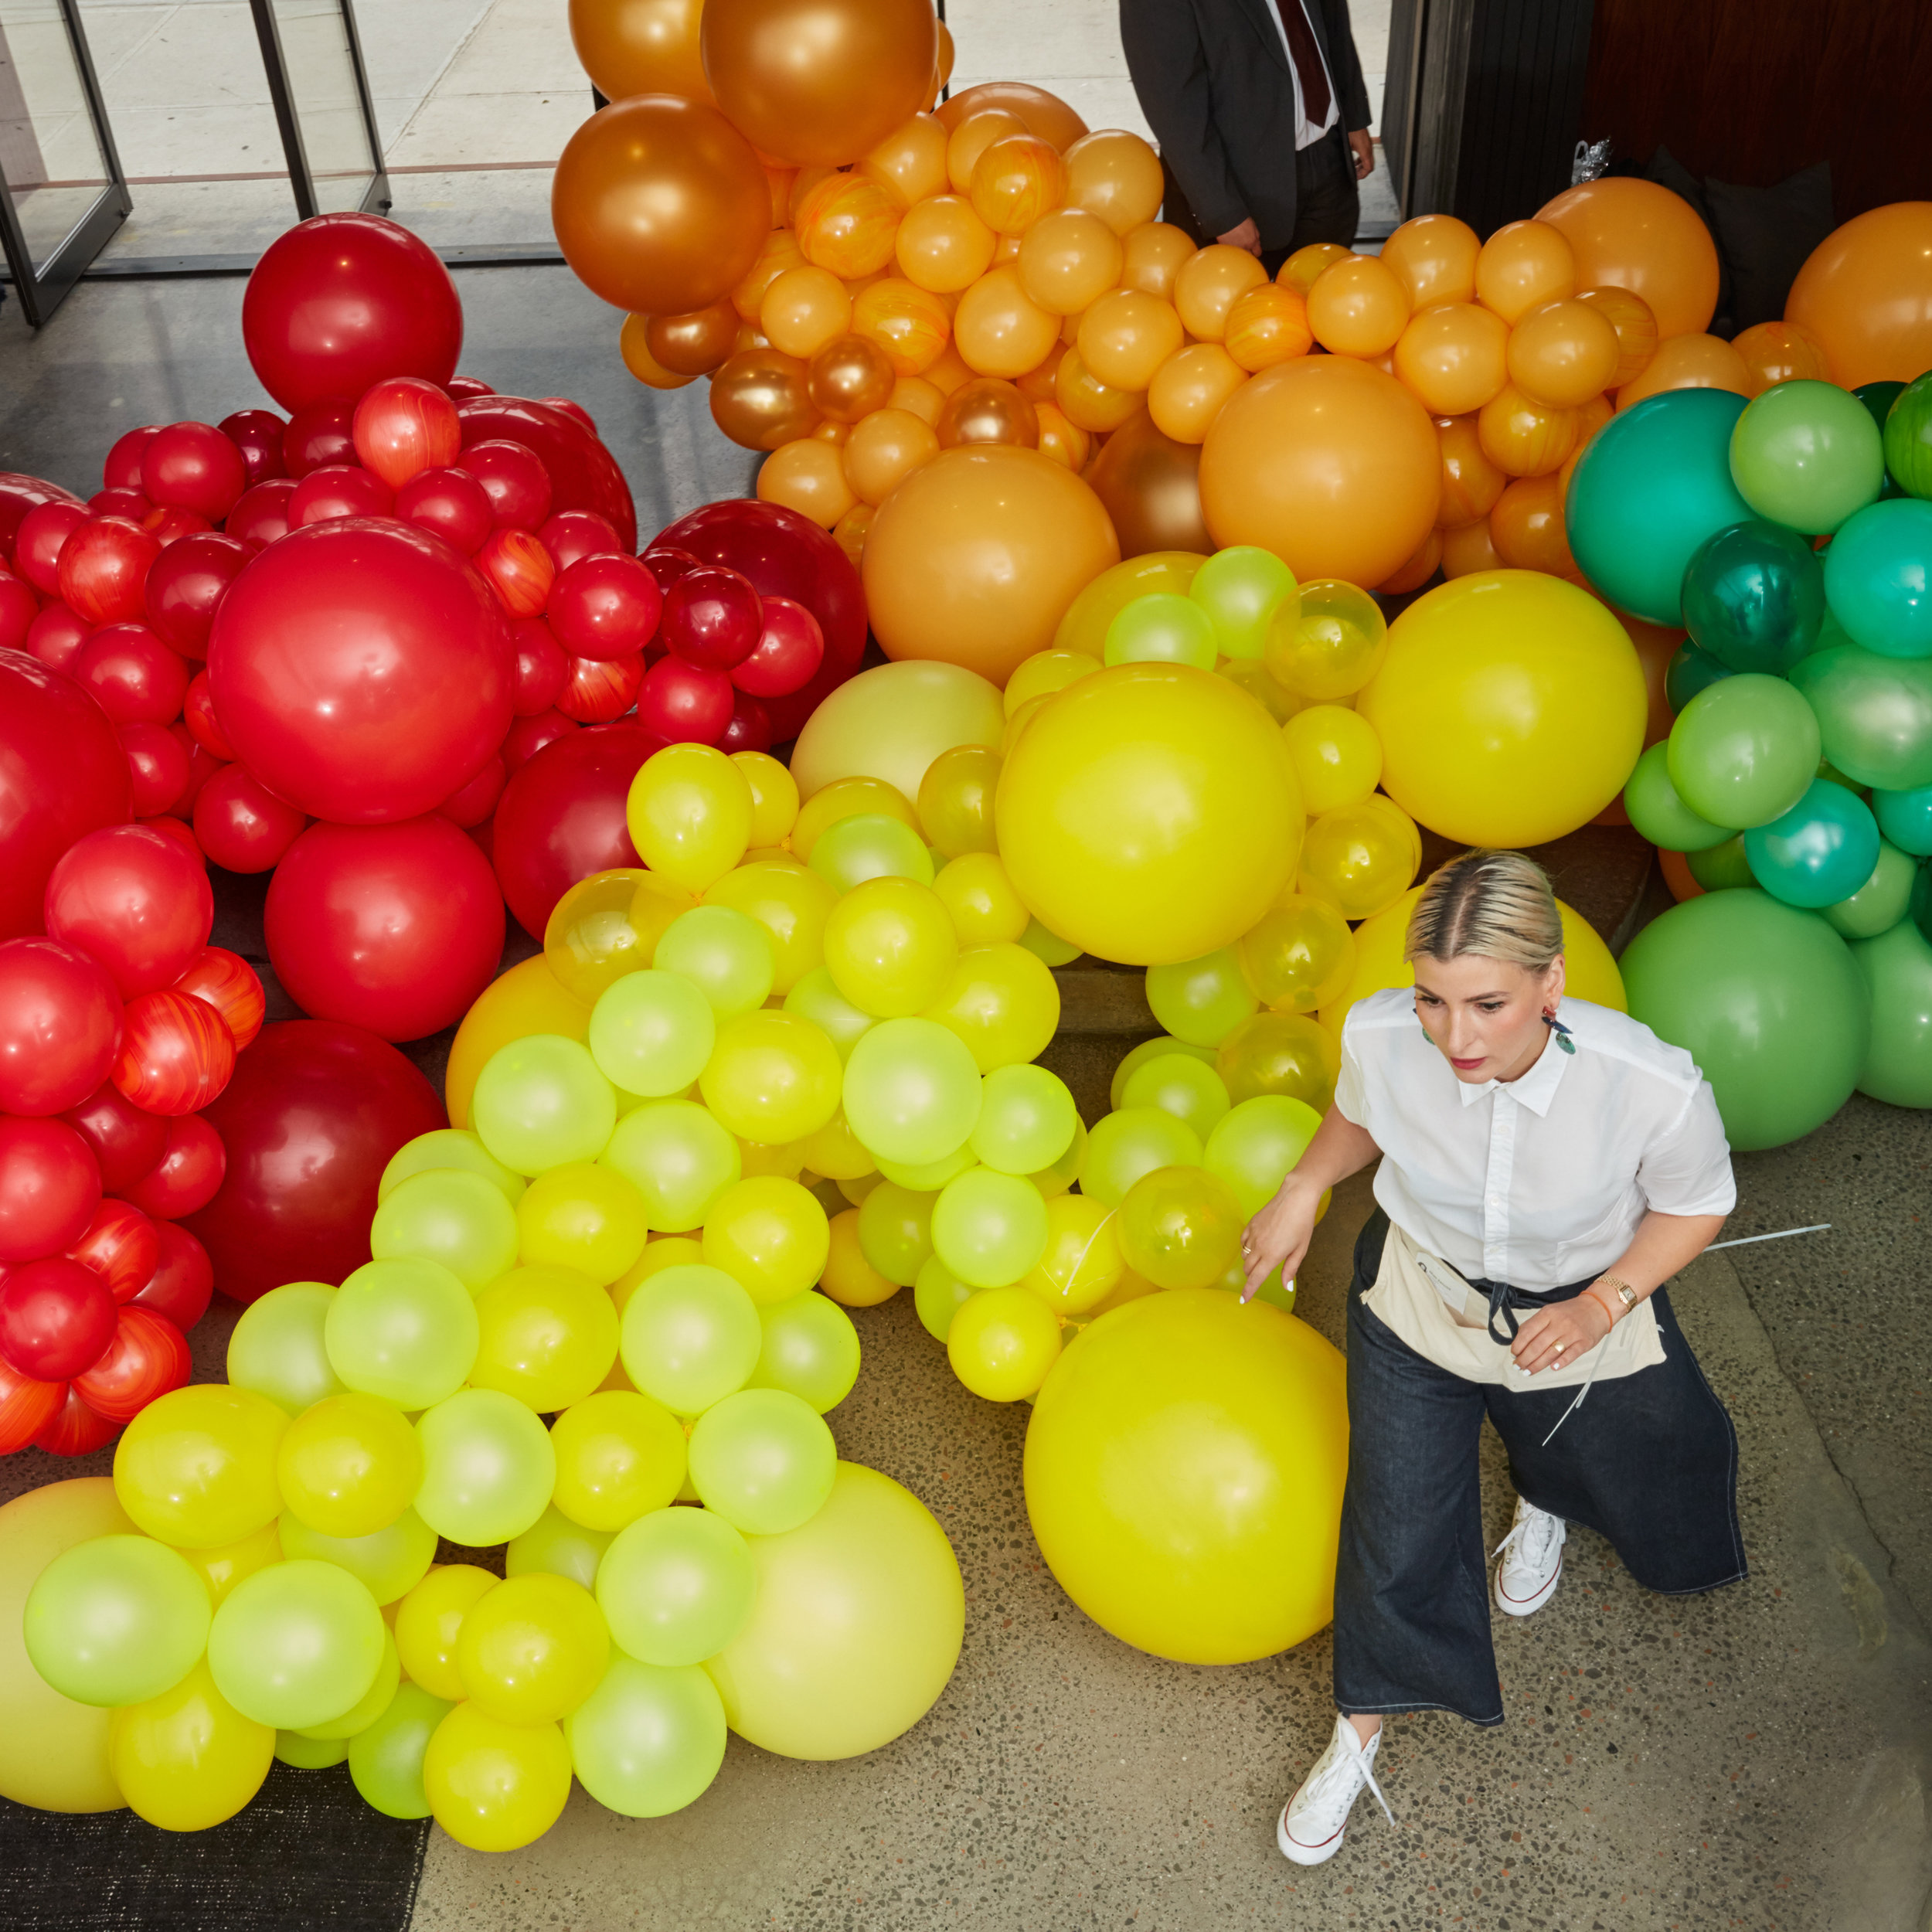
1087	401
1151	485
660	206
821	81
693	345
989	410
849	378
633	345
640	46
759	398
1038	111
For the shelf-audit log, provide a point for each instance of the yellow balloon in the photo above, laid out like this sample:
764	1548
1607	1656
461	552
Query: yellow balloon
1273	1052
689	815
1300	956
1331	645
222	1568
524	1000
1046	671
849	1278
348	1465
1336	754
955	801
1363	855
980	900
620	1455
549	1335
196	1467
835	1153
493	1786
188	1759
769	1235
890	947
848	799
1083	631
589	940
532	1649
889	723
1082	1264
582	1215
791	901
429	1620
774	797
1003	1001
773	1078
1003	1342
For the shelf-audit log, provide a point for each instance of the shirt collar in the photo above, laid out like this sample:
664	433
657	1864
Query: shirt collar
1534	1089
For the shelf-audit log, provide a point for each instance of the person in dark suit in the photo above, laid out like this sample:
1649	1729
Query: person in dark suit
1261	115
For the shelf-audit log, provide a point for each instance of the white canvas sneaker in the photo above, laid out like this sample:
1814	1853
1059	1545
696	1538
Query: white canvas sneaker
1532	1560
1311	1823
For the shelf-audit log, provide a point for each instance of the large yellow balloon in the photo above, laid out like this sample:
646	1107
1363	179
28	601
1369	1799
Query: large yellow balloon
526	999
1511	708
892	722
854	1629
188	1759
1184	1471
1150	814
974	559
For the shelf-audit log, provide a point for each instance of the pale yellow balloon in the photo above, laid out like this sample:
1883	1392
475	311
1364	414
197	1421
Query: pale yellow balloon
804	311
1208	286
1126	336
890	723
1069	258
1189	390
1155	254
999	329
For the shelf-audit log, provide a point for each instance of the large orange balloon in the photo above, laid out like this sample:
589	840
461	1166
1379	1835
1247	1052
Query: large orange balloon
640	46
1629	233
659	205
1866	293
1039	112
819	81
1328	463
1151	484
974	559
1688	362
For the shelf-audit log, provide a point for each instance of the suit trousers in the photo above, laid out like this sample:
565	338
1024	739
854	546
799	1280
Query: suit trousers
1328	203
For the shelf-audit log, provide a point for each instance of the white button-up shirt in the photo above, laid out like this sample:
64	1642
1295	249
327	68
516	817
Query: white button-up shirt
1543	1181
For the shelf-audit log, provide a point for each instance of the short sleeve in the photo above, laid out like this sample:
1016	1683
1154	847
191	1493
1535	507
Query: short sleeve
1687	1170
1351	1090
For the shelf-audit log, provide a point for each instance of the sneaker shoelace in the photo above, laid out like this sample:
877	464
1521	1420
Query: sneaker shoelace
1531	1536
1355	1770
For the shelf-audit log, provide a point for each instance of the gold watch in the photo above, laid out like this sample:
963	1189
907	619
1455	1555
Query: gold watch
1626	1295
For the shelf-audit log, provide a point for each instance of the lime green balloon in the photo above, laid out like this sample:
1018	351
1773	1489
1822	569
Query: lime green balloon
649	1739
1806	454
763	1460
296	1644
540	1101
911	1090
488	1467
989	1228
928	1177
1027	1119
1132	1142
678	1158
1743	750
386	1761
1180	1084
691	1337
1202	1000
1161	628
116	1620
406	1330
817	998
1882	901
1659	815
1243	588
1874	712
938	1295
389	1564
1722	868
1254	1145
447	1147
870	845
462	1220
675	1587
277	1349
1138	1057
652	1032
810	1350
306	1754
559	1547
1897	968
1049	946
725	953
896	1230
367	1708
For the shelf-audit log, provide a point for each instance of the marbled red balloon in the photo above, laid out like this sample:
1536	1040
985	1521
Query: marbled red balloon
121	1246
103	570
146	1357
176	1053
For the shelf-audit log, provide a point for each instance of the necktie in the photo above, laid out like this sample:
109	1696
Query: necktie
1308	62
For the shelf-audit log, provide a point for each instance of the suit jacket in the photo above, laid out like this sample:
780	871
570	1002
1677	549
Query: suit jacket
1214	81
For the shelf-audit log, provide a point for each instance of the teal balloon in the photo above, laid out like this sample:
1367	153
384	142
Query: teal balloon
1180	1084
386	1760
1766	998
277	1348
1874	714
1722	868
1884	898
1161	628
1659	815
810	1351
1907	424
1241	588
1253	1146
1651	485
763	1460
488	1467
1904	817
938	1295
870	845
1897	968
1754	597
116	1620
675	1587
389	1562
1806	454
1878	578
1822	850
652	1032
557	1547
648	1741
1132	1142
690	1337
726	953
296	1644
310	1754
1742	752
1690	669
1027	1120
405	1330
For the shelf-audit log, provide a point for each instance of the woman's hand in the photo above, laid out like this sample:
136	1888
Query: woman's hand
1278	1236
1560	1333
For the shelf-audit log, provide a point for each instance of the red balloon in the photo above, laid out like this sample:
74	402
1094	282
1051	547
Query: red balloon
340	301
514	480
198	714
450	502
338	490
596	690
122	469
103	568
202	764
258	435
19	608
62	773
56	636
584	474
128	503
158	764
228	983
604	605
183	1279
131	674
169	524
193	466
562	817
56	1317
188	581
26	1408
572	534
666	564
364	668
126	1141
317	436
76	1429
395	928
683	704
528	735
121	1246
262	515
146	1357
313	1114
404	426
749	728
176	1053
60	1024
470	804
185	1177
41	535
518	569
49	1187
135	901
541	666
790	648
575	411
178	831
712	618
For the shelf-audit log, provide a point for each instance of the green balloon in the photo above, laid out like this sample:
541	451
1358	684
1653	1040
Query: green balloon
1743	751
1908	433
296	1644
675	1586
462	1220
447	1146
1180	1084
1253	1146
541	1101
678	1155
488	1467
870	845
1767	999
1202	1000
1897	968
648	1741
277	1349
690	1337
406	1330
1722	868
1659	815
310	1754
652	1032
763	1460
810	1351
1132	1142
386	1761
896	1230
1138	1057
1241	588
1027	1120
369	1706
912	1091
1049	947
389	1564
116	1620
724	952
815	997
1161	628
1884	898
989	1228
558	1547
1875	713
1806	454
938	1295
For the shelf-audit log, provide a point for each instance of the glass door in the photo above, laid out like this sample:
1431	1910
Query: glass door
320	90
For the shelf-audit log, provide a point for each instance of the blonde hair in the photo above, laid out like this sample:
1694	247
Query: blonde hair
1497	904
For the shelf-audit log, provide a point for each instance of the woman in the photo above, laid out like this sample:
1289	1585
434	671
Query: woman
1546	1165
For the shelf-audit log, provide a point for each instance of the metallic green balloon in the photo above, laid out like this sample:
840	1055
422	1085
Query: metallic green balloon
369	1706
810	1351
1806	454
116	1620
541	1101
938	1295
405	1330
989	1228
446	1147
1754	597
1743	751
1874	713
386	1760
726	953
1884	898
649	1739
389	1564
1897	968
1659	815
896	1230
1027	1119
1690	669
310	1754
690	1337
1243	588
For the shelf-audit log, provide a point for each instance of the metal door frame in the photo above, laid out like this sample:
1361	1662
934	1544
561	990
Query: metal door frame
301	176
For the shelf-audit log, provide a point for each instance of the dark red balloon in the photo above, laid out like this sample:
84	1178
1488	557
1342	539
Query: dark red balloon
451	503
342	300
176	1053
27	1406
128	503
596	690
76	1429
528	735
262	515
516	566
667	564
313	1114
575	411
125	1139
134	901
56	637
257	433
790	648
470	804
60	1024
146	1357
749	729
198	714
130	673
56	1317
604	605
404	425
49	1188
40	537
395	928
570	535
182	1281
18	608
363	667
712	618
225	981
319	435
185	1177
188	579
121	1246
158	764
514	480
122	469
103	568
683	704
542	666
561	817
193	466
461	388
584	474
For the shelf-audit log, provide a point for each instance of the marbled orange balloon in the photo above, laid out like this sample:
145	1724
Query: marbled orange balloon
1523	263
849	378
1471	483
1522	436
1116	176
1060	440
848	224
1087	401
633	345
909	324
1192	387
1267	324
969	137
999	329
759	398
694	345
1455	357
1153	256
1208	285
1781	353
885	449
1306	266
942	245
1016	180
1068	260
1038	385
1526	527
989	410
1636	328
1433	256
1467	549
911	161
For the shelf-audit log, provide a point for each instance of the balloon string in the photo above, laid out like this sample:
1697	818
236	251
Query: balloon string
1073	1274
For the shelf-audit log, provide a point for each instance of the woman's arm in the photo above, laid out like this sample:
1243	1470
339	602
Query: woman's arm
1278	1236
1664	1245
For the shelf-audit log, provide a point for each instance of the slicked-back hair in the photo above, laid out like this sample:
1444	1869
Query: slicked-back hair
1496	904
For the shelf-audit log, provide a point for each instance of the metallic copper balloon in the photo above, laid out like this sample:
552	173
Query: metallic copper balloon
988	410
1151	486
759	398
849	378
819	81
640	46
693	345
660	206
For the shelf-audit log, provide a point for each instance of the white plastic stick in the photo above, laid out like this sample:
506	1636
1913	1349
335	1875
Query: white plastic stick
1784	1234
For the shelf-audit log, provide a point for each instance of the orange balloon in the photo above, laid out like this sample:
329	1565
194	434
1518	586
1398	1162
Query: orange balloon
633	345
1688	362
1433	258
1455	357
1359	307
1563	354
835	434
759	398
659	205
988	410
1209	284
945	53
999	329
1087	402
909	324
1865	293
849	378
848	223
640	47
1126	336
1625	233
969	137
918	397
1781	353
911	161
1525	264
1116	176
1151	485
1471	483
1418	570
1068	260
1468	549
1153	255
1306	266
804	309
780	252
943	245
947	371
1191	388
974	559
1268	324
1522	436
884	450
1016	180
1037	385
1039	112
821	81
809	476
1677	875
693	345
1066	445
1636	328
1526	527
850	531
1328	463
